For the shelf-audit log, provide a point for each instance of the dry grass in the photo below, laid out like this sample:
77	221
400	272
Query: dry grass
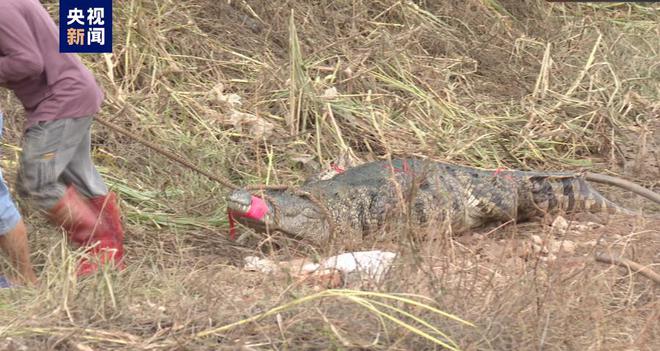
485	83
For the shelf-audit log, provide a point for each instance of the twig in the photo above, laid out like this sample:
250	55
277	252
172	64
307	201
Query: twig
630	265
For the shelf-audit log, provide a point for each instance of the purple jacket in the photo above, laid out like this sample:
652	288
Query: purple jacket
49	84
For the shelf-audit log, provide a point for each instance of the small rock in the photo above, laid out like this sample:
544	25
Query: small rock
330	93
562	245
589	243
583	227
540	249
537	239
255	264
560	224
348	71
548	258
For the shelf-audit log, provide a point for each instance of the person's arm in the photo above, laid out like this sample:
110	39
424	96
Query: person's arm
20	57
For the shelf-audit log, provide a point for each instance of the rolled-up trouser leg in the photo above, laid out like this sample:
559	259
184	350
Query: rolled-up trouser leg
9	215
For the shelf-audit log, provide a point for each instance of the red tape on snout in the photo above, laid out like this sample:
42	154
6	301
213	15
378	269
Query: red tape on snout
258	209
498	172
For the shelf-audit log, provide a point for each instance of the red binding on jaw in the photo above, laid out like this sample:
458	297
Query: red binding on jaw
498	172
258	209
337	168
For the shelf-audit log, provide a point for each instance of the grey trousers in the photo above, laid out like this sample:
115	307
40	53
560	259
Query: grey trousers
56	154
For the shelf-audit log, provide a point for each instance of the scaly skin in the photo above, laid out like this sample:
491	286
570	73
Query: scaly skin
363	198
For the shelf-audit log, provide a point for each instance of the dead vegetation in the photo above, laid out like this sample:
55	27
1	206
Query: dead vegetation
270	91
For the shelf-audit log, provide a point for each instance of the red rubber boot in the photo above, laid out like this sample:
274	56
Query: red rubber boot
112	237
85	228
75	216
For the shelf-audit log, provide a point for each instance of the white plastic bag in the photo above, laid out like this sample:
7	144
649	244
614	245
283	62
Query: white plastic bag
367	264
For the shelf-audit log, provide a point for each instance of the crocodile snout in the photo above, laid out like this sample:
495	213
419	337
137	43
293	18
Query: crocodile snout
239	201
297	215
247	208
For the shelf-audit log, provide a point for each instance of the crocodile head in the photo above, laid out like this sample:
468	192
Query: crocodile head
296	216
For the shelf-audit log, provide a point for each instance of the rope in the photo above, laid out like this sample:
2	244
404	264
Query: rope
224	181
216	178
622	183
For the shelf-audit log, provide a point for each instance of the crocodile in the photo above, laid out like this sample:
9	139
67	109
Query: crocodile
364	198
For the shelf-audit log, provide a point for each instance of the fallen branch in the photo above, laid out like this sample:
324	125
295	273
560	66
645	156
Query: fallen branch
622	183
630	265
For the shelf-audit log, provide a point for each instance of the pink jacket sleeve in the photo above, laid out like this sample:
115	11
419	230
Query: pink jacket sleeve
19	57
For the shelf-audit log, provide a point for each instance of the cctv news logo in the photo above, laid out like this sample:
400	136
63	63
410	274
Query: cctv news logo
86	26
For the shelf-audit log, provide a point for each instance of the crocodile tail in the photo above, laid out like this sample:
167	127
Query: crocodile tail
569	193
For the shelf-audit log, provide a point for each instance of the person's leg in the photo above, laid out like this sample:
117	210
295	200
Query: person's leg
81	172
48	149
13	237
13	234
15	244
